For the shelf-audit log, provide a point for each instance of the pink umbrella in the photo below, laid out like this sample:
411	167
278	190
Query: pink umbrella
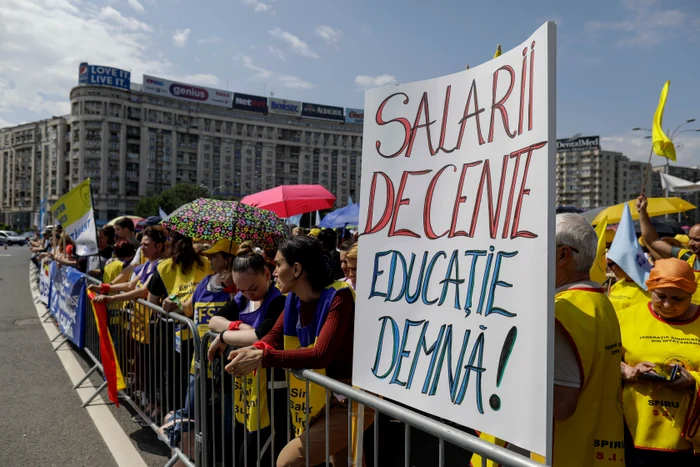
290	200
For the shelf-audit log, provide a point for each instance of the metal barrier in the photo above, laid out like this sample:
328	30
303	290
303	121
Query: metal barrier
166	371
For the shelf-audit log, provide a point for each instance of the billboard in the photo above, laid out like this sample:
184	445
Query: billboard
323	111
250	103
186	92
583	143
284	107
355	115
98	75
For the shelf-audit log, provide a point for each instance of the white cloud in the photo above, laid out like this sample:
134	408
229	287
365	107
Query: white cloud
294	43
328	34
210	40
257	5
4	123
633	145
367	82
181	36
201	79
260	74
136	6
276	52
646	24
42	42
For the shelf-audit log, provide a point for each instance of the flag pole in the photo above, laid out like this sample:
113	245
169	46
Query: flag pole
646	171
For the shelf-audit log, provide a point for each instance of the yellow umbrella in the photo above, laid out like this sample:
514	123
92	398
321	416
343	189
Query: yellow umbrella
655	207
135	219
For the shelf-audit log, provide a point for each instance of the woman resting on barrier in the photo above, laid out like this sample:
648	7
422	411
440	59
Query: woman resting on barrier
316	332
66	252
242	322
210	295
661	357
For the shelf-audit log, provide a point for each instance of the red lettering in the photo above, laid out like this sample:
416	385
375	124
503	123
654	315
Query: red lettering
427	226
532	74
388	207
466	116
406	125
422	108
400	201
459	200
493	216
445	114
515	233
523	78
500	104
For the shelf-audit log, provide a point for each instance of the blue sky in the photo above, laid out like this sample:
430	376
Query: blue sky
613	56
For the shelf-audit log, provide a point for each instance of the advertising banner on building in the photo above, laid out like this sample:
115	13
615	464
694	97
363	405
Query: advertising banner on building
582	143
74	212
67	302
327	112
98	75
284	107
186	92
456	311
250	103
354	115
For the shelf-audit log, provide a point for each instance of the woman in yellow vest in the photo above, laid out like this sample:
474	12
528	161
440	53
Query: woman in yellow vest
661	345
174	281
625	292
316	332
246	319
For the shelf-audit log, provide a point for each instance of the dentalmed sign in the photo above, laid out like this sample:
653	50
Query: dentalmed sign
186	92
455	298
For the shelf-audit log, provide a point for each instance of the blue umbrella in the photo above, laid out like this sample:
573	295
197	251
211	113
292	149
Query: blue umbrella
349	215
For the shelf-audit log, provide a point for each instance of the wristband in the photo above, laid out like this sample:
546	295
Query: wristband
263	346
234	325
221	337
104	289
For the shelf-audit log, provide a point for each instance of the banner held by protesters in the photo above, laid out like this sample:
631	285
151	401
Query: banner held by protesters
74	212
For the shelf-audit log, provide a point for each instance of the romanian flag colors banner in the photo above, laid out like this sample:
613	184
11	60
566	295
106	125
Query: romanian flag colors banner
74	212
110	364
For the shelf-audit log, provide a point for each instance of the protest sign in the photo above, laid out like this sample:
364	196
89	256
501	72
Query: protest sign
67	302
455	292
44	282
74	212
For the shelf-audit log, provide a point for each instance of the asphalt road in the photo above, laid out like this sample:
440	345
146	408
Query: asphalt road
42	420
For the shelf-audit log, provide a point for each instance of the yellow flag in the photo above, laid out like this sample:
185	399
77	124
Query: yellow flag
498	51
661	143
600	263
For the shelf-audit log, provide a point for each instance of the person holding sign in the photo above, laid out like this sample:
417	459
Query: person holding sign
588	428
316	332
242	322
661	347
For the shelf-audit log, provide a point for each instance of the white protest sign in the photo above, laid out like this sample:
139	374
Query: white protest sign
455	299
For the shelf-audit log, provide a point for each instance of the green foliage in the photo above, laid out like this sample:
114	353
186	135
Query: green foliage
180	194
147	206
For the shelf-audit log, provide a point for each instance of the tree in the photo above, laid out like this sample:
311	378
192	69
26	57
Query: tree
147	206
180	194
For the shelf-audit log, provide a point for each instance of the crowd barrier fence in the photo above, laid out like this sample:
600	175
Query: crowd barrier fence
167	376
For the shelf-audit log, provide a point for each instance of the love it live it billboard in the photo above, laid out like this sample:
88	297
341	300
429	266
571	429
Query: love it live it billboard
186	92
98	75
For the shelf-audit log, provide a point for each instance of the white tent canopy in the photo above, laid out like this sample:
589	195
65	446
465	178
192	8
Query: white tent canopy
678	185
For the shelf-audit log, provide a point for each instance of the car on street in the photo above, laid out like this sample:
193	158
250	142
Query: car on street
9	238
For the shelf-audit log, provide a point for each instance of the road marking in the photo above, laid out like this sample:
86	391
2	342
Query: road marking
115	438
5	255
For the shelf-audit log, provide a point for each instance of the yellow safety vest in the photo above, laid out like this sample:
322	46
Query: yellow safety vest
691	258
112	270
656	415
594	434
297	337
624	294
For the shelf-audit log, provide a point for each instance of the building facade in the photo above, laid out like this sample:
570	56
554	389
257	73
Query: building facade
588	176
133	144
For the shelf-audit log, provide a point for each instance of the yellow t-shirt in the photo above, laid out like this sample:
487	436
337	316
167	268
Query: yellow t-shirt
655	414
112	270
624	294
692	259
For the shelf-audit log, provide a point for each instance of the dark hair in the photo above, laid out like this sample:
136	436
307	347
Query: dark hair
124	250
157	233
125	223
247	259
328	239
346	245
184	254
108	231
309	253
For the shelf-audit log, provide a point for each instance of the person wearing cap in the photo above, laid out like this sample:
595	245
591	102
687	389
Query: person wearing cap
625	292
209	297
661	358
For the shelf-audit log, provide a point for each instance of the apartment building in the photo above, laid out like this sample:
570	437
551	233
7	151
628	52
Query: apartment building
134	142
588	176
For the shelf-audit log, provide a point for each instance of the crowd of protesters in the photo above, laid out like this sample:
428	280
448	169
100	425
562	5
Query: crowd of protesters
627	355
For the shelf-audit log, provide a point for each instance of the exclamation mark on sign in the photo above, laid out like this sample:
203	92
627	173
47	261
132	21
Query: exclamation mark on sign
508	344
